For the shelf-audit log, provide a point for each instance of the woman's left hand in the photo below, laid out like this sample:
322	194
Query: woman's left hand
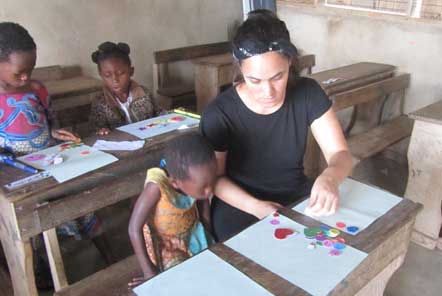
64	135
324	197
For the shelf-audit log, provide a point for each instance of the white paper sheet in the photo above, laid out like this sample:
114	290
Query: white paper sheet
315	271
118	145
158	125
359	205
77	160
202	275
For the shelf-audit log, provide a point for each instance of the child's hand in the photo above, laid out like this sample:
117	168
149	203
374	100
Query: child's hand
139	280
103	131
64	135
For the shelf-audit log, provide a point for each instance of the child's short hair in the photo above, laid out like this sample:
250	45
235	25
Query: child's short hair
185	151
14	37
109	49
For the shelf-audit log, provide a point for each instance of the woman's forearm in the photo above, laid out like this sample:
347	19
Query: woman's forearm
235	196
339	166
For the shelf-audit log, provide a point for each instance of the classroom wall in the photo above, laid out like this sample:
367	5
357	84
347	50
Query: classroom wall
67	31
339	37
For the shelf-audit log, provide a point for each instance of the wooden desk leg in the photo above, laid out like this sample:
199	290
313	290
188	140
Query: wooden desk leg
55	259
18	253
424	181
206	85
377	285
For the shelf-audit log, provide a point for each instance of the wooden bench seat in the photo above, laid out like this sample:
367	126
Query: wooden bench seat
112	280
377	107
373	141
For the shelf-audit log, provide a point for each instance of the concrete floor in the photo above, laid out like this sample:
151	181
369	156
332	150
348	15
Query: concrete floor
420	274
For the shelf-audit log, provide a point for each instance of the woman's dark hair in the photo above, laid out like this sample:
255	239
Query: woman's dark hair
262	32
109	49
185	151
13	37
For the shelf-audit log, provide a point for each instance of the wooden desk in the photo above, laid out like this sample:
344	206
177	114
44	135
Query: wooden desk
213	72
425	173
42	206
385	241
352	76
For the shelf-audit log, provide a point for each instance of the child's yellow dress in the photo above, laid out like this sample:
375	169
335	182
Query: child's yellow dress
173	232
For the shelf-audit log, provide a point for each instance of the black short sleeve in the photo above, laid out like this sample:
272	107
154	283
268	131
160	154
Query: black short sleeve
317	101
214	127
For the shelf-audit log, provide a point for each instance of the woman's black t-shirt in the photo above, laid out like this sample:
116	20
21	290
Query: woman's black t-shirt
265	152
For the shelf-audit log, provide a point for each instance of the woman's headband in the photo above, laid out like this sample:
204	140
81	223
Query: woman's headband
250	48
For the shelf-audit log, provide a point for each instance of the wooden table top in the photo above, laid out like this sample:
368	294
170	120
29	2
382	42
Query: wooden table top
128	163
353	75
431	113
384	240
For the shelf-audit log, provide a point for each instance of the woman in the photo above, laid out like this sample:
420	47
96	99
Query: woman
259	130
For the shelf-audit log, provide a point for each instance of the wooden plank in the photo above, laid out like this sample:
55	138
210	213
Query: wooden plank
129	162
370	92
18	253
267	279
72	86
431	113
206	85
352	76
377	139
55	259
190	52
47	73
112	280
71	71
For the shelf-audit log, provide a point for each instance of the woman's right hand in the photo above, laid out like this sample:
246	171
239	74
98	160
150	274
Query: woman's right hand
264	208
103	131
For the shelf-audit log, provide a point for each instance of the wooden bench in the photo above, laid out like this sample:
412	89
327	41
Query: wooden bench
378	127
369	143
180	92
71	94
380	130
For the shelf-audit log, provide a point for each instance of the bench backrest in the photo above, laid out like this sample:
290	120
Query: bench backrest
190	52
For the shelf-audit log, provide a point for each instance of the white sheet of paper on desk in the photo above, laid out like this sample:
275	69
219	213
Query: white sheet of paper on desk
158	125
313	270
77	160
359	205
197	276
118	145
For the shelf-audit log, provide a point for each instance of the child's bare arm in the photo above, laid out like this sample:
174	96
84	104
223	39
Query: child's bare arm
204	213
143	207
